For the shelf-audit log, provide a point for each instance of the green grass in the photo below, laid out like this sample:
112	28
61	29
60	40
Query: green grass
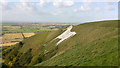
90	41
95	44
28	28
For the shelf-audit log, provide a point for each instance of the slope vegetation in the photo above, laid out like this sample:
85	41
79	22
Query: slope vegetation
95	44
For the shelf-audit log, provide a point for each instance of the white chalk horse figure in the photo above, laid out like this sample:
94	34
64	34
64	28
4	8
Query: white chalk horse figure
65	35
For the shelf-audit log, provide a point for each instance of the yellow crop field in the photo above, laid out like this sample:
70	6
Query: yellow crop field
28	34
8	44
7	38
13	38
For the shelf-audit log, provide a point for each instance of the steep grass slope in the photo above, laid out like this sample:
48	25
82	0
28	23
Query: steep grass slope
95	44
16	55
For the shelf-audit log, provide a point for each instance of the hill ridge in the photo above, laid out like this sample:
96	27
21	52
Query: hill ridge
94	44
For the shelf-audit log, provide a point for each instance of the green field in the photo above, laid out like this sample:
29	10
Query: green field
95	44
27	28
12	33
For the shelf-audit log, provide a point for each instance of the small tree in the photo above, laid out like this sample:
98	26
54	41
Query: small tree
20	43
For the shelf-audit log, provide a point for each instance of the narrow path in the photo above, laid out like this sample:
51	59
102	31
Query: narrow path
23	35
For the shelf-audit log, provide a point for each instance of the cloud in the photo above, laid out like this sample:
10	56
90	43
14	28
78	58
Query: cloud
61	3
76	10
68	3
4	5
42	3
85	7
109	6
24	5
88	1
3	2
58	12
57	3
98	9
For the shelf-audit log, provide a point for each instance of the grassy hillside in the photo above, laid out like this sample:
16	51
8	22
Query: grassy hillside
95	44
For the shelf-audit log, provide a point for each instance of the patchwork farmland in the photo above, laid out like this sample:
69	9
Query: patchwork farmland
14	33
13	38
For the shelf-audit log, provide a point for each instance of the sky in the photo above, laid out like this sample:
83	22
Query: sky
57	11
